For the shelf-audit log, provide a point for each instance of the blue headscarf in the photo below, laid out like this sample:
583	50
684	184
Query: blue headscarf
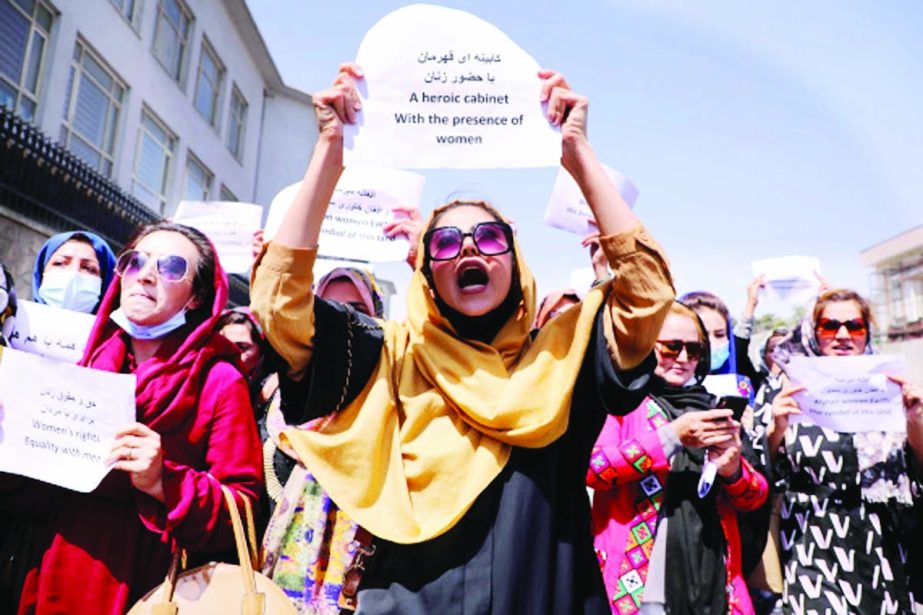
104	255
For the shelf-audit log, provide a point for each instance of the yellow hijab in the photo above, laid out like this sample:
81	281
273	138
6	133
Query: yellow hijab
437	421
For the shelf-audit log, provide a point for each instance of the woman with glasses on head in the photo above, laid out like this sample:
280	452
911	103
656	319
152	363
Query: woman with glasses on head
101	551
456	441
848	504
666	544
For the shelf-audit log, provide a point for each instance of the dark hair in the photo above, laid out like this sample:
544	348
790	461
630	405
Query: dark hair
702	299
236	317
203	281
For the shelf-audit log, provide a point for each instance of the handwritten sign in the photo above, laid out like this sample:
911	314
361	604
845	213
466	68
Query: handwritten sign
789	279
445	89
361	206
50	331
60	420
228	224
567	208
849	394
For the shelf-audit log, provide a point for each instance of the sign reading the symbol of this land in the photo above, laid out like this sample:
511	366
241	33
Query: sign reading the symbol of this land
445	89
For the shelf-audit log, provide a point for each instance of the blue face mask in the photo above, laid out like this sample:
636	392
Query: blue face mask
145	332
71	290
720	355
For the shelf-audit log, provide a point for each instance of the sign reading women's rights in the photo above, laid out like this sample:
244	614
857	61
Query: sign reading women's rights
50	331
229	225
362	204
849	394
59	420
445	89
567	208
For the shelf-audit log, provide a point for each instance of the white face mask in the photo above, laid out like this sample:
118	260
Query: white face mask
71	290
148	332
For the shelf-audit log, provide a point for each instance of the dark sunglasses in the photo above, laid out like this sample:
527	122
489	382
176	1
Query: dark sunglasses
490	238
170	267
829	327
673	348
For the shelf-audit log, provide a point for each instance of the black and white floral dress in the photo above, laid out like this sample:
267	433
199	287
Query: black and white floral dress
847	515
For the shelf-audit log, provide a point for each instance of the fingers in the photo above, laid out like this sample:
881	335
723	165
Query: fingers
591	240
412	213
352	69
788	391
401	227
560	104
551	80
898	379
135	429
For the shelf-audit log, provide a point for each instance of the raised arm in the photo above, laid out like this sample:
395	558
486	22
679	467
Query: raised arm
281	296
642	288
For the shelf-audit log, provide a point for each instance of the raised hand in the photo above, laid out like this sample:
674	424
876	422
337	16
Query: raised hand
338	104
410	227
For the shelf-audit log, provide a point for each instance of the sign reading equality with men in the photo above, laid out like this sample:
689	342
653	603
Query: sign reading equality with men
445	89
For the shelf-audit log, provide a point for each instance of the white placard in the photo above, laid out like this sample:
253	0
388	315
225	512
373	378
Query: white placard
789	279
849	394
567	208
229	225
445	89
51	331
60	420
361	206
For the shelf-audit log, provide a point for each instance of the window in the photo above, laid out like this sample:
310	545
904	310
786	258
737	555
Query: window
198	180
130	10
208	84
25	26
226	194
153	158
171	36
237	123
91	114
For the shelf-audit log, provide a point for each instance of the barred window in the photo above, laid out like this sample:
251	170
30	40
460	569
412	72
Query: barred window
153	162
25	26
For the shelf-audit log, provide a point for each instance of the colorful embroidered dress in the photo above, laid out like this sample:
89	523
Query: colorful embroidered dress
628	470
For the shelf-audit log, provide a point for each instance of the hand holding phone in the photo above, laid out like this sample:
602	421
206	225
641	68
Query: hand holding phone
735	403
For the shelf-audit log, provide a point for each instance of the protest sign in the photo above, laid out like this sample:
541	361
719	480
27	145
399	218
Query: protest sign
567	208
789	279
60	420
361	206
228	224
50	331
849	394
445	89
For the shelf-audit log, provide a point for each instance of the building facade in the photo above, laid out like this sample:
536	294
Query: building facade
167	100
897	295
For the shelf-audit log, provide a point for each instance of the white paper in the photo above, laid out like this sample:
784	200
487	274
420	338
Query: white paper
361	206
567	208
445	89
229	225
789	279
849	394
724	385
60	420
50	331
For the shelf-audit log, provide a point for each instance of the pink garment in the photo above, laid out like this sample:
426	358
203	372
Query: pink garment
97	553
628	469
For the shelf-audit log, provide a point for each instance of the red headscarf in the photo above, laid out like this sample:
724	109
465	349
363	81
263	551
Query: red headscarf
169	382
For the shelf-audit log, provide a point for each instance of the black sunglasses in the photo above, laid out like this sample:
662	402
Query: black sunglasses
673	348
490	238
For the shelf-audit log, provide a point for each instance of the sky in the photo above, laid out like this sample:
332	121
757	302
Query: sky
752	130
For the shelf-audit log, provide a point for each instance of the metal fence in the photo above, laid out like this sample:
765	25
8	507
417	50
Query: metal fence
44	182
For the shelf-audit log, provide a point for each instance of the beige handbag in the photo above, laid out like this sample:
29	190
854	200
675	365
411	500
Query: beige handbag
218	587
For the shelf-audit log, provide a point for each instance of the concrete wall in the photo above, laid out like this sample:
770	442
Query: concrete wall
289	135
20	241
912	351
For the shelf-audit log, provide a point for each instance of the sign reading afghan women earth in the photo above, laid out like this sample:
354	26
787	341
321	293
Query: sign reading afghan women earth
445	89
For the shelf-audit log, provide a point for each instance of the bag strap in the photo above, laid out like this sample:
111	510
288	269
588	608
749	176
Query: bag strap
167	606
256	559
252	603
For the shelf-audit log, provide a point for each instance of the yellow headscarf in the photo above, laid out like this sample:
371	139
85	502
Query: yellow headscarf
436	422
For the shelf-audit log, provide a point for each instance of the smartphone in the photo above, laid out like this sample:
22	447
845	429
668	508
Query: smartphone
735	403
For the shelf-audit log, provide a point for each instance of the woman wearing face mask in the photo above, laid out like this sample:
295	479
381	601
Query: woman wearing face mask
729	347
450	437
662	546
99	552
72	271
309	543
849	497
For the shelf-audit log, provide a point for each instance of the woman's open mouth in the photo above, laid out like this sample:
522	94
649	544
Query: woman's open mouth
472	277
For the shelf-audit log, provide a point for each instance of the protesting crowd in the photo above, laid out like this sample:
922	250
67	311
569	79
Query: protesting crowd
441	463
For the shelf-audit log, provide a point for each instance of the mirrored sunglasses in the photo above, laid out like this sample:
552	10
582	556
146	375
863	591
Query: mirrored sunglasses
673	348
170	267
490	238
